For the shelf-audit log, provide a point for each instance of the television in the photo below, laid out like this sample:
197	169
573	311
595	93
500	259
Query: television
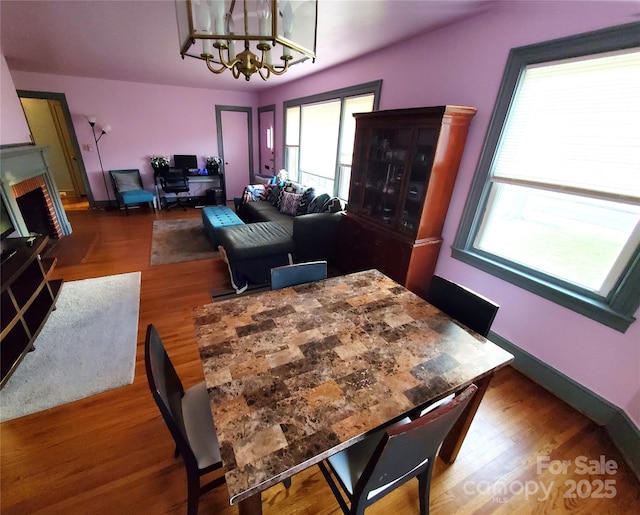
6	225
185	162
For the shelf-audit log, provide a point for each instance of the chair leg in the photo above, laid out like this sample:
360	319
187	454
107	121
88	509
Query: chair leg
334	488
424	487
193	494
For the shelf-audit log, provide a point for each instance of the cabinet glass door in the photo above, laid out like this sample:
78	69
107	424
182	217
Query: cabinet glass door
384	175
418	180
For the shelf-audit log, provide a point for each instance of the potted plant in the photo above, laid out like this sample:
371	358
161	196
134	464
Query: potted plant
213	165
159	163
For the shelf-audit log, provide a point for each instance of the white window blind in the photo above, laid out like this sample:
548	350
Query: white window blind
293	127
576	124
352	105
319	138
565	180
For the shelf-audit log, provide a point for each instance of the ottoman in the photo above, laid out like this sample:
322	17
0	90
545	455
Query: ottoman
216	217
252	250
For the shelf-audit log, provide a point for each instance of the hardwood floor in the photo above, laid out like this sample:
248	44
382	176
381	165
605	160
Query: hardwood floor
111	453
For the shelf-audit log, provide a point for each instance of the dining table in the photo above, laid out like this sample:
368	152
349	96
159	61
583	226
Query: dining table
298	374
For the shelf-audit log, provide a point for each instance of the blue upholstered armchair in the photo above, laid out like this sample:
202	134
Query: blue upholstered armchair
127	185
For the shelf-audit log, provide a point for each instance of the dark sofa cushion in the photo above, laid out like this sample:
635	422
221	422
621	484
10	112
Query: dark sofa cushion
257	240
265	212
316	236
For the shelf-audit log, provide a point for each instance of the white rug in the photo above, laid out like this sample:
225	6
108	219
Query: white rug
87	346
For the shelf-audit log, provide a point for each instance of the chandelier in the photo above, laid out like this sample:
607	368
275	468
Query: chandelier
274	34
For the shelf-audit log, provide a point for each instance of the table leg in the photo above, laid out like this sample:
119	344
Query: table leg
251	505
453	441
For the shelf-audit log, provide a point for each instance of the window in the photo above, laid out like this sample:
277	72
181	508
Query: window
319	136
555	205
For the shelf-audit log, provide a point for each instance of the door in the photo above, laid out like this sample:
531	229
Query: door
266	131
71	161
50	124
235	144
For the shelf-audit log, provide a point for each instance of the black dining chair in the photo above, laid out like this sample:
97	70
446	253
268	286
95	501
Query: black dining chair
187	415
385	460
299	273
464	305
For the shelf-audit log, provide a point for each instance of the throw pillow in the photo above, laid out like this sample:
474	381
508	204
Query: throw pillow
333	205
274	195
252	193
268	192
308	195
127	181
294	187
315	206
289	204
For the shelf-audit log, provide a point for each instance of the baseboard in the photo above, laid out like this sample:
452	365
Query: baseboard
624	434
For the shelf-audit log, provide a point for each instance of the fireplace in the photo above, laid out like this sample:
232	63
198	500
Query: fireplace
30	194
37	216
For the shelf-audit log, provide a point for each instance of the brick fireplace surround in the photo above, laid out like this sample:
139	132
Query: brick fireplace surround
22	170
35	183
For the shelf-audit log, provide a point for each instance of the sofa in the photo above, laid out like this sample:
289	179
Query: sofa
312	221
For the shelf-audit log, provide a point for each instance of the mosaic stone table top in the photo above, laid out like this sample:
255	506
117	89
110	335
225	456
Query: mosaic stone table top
295	375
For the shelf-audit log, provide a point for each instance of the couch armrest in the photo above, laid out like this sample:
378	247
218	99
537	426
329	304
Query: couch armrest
316	235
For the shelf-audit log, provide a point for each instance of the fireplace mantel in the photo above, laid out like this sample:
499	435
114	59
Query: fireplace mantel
18	164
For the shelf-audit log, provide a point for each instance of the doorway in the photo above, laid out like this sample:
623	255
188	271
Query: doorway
235	143
50	124
266	132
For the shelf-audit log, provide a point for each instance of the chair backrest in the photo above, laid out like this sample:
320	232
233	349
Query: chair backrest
407	450
462	304
126	180
174	180
299	273
167	391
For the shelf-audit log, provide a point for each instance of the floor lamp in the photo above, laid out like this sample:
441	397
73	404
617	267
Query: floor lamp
105	130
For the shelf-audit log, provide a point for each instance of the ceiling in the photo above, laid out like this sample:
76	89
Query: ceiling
137	40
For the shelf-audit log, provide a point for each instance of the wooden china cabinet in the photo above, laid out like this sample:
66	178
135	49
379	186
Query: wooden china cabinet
405	164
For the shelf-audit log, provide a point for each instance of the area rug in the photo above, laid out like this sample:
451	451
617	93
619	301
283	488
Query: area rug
87	346
176	241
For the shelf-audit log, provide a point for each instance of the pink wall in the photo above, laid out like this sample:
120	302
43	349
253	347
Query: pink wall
460	64
146	120
463	64
13	126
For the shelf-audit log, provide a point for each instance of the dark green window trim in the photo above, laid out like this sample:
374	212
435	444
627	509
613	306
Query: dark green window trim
617	309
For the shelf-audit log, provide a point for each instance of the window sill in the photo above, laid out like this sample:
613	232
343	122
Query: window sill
593	308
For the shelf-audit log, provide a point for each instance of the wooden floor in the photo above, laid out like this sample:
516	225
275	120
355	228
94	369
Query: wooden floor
112	454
